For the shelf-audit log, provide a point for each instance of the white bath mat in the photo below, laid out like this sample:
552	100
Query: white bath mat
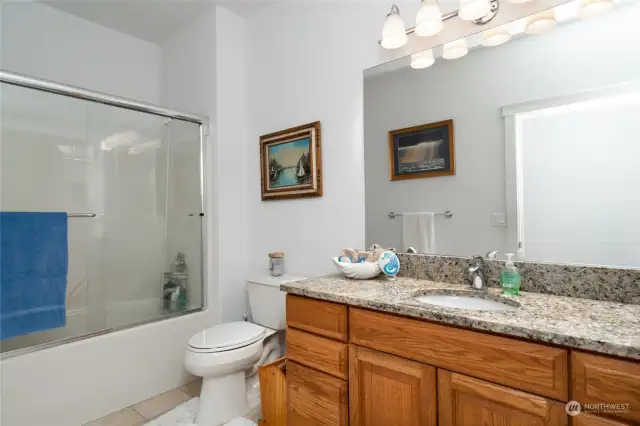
184	414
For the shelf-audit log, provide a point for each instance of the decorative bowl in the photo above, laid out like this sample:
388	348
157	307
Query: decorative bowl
358	271
389	264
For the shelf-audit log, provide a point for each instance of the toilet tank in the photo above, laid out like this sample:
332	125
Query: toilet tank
267	302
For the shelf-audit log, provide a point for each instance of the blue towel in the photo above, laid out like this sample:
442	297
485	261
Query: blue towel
33	272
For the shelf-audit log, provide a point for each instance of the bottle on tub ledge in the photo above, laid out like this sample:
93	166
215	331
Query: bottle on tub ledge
174	287
276	264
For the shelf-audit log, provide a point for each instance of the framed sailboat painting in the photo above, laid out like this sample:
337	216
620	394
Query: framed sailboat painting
290	163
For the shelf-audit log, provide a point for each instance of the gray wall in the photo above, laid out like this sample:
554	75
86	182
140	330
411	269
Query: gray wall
574	57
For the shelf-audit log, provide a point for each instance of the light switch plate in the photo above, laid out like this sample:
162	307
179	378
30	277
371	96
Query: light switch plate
499	219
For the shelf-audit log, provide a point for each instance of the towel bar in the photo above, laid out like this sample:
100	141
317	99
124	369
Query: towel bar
448	214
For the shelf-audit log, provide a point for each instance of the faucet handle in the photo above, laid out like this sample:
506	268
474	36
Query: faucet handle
492	254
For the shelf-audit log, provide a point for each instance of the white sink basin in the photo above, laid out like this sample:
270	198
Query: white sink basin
465	302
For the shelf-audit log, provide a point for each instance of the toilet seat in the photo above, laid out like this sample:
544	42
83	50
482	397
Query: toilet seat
226	337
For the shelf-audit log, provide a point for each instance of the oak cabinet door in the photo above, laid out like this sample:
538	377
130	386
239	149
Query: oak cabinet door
583	419
315	398
598	379
465	401
385	390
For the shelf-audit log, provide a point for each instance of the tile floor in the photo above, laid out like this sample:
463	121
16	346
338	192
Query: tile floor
146	411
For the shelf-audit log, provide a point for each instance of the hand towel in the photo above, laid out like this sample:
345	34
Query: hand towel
33	272
419	232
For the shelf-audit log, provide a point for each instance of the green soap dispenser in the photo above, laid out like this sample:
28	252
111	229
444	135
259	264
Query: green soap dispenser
510	277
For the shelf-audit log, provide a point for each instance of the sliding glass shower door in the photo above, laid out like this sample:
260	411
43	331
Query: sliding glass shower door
131	185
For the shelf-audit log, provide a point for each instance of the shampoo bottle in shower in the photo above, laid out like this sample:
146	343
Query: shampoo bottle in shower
510	277
180	264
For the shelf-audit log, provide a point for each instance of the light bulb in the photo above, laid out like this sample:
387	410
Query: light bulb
591	8
471	10
393	32
455	49
496	36
517	27
429	19
541	22
422	59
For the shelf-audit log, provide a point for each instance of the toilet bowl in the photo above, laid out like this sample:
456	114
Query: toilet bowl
227	356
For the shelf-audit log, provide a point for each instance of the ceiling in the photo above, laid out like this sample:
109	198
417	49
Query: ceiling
151	20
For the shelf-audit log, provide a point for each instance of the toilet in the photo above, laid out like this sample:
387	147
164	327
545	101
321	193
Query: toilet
227	356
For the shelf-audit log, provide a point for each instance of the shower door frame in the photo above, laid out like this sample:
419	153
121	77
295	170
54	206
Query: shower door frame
42	85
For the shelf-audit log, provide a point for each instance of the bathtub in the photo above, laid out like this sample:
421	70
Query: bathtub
81	323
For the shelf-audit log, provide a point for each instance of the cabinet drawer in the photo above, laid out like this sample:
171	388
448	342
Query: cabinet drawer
522	365
602	380
319	317
315	398
318	352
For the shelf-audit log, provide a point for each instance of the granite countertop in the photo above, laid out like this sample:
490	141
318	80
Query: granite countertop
605	327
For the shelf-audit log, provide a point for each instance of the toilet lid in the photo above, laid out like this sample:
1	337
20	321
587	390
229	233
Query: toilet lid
228	336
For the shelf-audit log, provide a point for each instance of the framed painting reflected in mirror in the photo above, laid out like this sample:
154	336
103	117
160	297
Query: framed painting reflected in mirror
422	151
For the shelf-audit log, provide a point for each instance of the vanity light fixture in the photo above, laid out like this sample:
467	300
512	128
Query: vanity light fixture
393	32
429	19
496	36
422	59
471	10
592	8
455	49
542	22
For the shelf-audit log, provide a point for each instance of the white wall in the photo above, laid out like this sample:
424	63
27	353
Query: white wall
574	57
44	42
75	383
232	176
307	62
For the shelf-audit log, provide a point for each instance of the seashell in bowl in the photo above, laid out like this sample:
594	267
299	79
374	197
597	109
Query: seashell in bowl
358	271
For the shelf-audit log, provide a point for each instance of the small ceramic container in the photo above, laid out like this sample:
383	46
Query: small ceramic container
389	264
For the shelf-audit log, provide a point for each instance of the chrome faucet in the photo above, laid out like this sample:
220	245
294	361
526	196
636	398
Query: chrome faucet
476	273
492	254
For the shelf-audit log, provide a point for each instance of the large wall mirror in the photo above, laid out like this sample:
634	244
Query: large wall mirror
530	147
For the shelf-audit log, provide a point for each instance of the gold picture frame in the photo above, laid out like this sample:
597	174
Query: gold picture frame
291	163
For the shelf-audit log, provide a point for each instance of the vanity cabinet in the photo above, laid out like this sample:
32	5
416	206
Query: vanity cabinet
466	401
389	390
349	365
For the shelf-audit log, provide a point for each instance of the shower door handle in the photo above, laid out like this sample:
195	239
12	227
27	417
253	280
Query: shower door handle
196	214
